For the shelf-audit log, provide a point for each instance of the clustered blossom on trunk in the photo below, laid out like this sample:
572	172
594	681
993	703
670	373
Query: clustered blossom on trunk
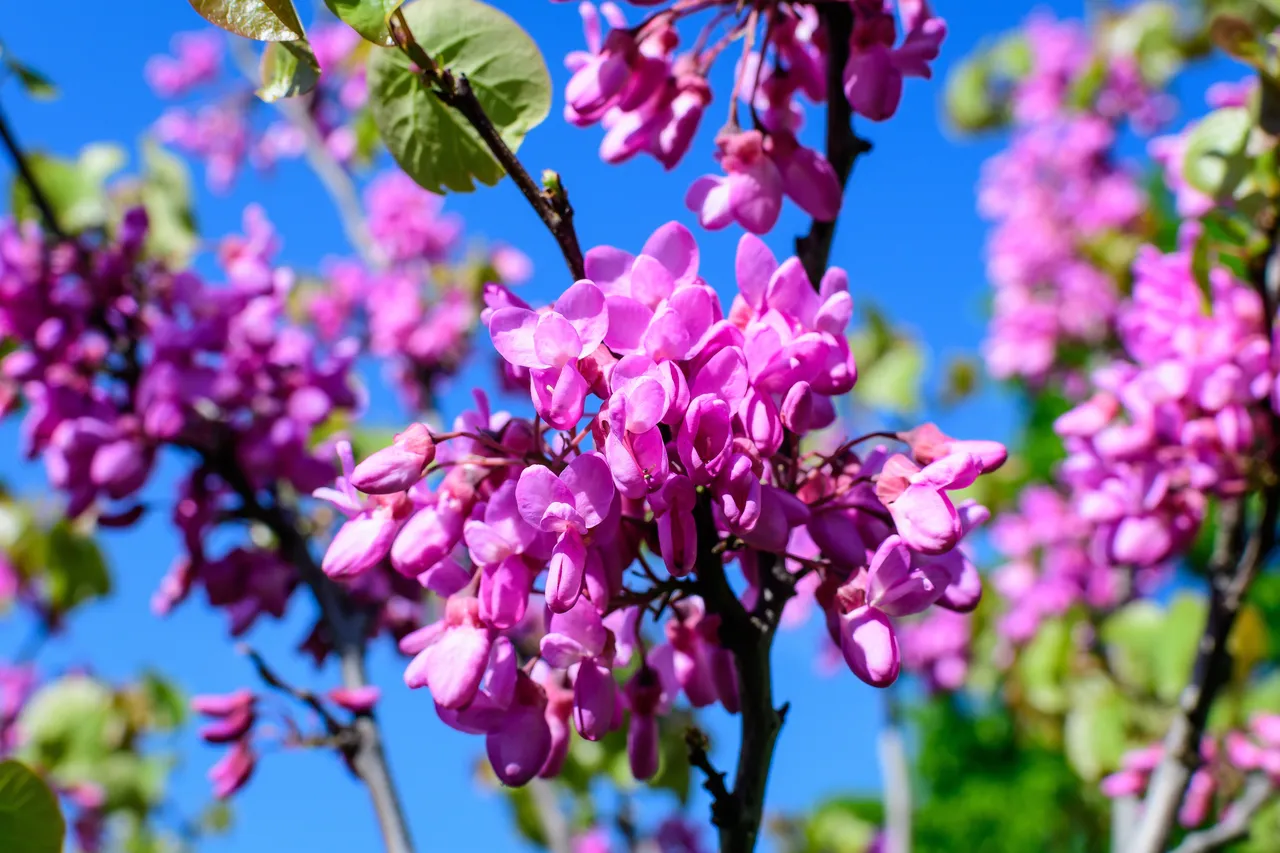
650	97
663	425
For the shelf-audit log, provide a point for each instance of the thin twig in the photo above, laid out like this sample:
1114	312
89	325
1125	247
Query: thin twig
306	697
696	742
1235	826
347	628
23	168
897	782
554	826
336	180
843	145
550	202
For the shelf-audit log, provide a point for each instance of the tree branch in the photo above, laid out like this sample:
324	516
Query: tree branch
336	180
349	637
554	825
1235	825
749	636
550	202
897	781
306	697
23	168
1234	565
843	145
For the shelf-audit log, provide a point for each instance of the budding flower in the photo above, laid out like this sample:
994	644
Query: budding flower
396	468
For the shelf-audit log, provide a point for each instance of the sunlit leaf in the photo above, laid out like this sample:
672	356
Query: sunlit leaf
433	143
289	68
367	17
263	20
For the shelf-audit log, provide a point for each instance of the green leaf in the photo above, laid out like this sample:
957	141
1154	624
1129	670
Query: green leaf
433	143
1130	637
1176	650
289	68
970	104
30	819
1214	161
166	195
67	722
892	383
76	571
1043	664
263	20
1094	729
167	704
842	826
367	17
73	189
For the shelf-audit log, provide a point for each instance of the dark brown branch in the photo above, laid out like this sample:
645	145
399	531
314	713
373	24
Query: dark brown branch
749	636
273	680
696	742
550	202
348	628
844	147
23	169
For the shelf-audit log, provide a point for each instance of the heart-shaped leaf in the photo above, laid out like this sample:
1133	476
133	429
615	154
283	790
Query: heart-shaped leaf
432	142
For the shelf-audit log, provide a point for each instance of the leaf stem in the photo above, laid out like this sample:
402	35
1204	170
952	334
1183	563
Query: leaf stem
550	202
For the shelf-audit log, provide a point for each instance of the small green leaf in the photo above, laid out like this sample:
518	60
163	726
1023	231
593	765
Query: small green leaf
1176	650
30	819
289	68
263	20
1094	729
36	84
74	189
1215	160
76	572
168	706
434	144
166	195
67	722
970	105
367	17
892	383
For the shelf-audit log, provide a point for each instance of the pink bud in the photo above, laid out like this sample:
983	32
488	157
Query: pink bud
357	700
396	468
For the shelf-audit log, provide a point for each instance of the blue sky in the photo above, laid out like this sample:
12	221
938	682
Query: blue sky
909	238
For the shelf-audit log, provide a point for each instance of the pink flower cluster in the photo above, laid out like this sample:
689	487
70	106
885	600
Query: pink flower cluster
119	359
1052	195
690	450
420	311
231	719
222	132
1174	421
1055	559
937	648
650	98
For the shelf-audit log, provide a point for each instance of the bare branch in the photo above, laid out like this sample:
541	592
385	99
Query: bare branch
336	180
273	680
1235	825
23	169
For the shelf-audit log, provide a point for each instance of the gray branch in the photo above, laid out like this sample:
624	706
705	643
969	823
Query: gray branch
1256	794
